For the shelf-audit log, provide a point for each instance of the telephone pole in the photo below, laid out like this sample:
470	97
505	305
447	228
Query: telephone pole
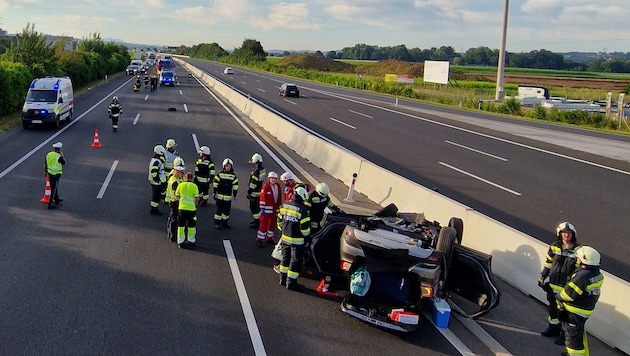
501	70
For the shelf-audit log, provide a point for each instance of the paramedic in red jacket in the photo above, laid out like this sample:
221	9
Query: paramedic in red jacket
270	202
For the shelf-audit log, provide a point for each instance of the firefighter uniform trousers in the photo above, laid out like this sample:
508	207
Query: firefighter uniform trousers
157	180
295	224
256	179
204	173
225	186
114	111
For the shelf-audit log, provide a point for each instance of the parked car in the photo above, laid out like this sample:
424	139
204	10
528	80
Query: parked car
411	263
228	70
288	89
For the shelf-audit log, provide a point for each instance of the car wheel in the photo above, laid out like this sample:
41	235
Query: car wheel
390	210
297	95
69	118
446	239
458	225
25	124
56	123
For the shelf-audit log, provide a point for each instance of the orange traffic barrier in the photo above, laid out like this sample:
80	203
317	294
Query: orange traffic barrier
46	198
96	143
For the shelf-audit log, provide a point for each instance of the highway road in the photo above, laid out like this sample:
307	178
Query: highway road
528	184
98	276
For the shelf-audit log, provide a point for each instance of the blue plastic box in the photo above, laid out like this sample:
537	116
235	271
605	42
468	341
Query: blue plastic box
441	313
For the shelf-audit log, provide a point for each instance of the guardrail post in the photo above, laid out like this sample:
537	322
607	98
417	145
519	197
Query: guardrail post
396	102
351	189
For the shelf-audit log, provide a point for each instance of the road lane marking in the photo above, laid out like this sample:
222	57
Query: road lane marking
136	119
250	319
360	113
343	123
481	334
474	150
146	97
180	92
243	83
196	142
262	90
289	101
185	108
107	179
481	179
450	336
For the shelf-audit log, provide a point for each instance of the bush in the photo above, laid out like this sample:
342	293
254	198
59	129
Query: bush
16	77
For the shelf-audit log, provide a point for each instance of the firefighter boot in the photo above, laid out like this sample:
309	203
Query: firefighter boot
283	279
553	330
560	339
292	284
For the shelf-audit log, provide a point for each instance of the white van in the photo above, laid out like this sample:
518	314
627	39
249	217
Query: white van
48	101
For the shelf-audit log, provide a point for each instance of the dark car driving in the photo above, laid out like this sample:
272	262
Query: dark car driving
288	89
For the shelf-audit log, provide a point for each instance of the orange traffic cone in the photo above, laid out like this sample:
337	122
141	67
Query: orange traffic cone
96	142
322	288
46	198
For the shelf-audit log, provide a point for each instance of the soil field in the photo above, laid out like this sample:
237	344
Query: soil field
549	82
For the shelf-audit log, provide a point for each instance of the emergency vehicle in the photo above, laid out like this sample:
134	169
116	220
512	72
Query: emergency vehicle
48	101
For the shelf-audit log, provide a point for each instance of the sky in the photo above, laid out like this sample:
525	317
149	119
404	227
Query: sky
326	25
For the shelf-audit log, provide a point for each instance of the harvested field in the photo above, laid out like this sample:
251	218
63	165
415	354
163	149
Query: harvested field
586	83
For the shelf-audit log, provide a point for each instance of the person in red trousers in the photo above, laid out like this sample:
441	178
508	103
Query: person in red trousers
270	201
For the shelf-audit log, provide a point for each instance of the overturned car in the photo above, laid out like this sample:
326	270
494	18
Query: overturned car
394	265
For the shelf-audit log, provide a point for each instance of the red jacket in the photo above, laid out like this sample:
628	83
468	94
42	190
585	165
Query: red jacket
267	202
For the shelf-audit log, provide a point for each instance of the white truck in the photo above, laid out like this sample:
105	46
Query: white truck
49	101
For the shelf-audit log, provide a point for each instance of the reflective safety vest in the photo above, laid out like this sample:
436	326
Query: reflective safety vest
187	192
204	170
294	222
169	157
53	166
318	204
582	291
225	185
115	110
156	171
171	187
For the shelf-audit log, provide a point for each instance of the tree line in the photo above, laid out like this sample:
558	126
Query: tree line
33	55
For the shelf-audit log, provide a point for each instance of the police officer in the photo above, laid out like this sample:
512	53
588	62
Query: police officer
256	180
295	224
53	168
225	186
320	200
173	201
114	111
188	195
560	263
157	178
204	173
578	298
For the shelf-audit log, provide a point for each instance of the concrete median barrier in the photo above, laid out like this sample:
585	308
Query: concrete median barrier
517	257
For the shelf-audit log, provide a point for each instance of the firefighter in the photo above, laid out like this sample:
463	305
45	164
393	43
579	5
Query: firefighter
157	178
169	156
577	300
154	80
146	79
295	224
188	195
560	263
114	111
320	200
269	203
256	180
204	173
173	201
225	188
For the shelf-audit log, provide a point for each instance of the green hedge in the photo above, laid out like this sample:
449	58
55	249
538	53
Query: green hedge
15	79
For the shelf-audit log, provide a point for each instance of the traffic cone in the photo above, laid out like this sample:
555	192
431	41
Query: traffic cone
96	142
322	288
46	198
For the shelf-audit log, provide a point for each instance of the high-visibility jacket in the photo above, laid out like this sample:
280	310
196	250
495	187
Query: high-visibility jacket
268	203
54	163
256	180
169	157
294	222
204	170
582	291
156	171
319	203
560	263
187	192
171	187
225	185
114	110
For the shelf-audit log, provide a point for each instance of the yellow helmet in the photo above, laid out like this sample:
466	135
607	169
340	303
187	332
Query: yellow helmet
588	255
170	143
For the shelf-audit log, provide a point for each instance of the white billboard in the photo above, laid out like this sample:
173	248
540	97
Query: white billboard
436	72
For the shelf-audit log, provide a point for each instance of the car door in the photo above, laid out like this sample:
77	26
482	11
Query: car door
470	282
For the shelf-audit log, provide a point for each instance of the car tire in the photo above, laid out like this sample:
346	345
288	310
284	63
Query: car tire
458	225
390	210
447	238
69	118
297	95
56	123
25	124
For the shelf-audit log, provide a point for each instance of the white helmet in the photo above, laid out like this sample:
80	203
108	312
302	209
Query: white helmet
256	157
115	98
272	174
322	188
563	226
302	193
205	150
226	161
159	149
286	176
170	143
588	255
178	162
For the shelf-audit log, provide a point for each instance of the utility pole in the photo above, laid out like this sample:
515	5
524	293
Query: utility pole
501	70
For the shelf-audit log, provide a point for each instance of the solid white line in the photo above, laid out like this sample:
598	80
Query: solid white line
494	346
185	108
343	123
360	113
474	150
146	97
53	136
448	335
261	90
136	119
481	179
250	319
107	179
196	142
289	101
243	83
